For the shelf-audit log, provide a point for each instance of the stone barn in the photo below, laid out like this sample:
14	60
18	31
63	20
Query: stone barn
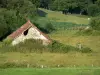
29	31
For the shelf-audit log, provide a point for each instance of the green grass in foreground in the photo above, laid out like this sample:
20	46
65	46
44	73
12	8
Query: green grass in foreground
52	71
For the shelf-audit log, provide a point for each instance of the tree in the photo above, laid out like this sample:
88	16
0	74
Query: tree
95	23
9	22
72	6
45	3
36	2
4	29
25	7
93	10
3	3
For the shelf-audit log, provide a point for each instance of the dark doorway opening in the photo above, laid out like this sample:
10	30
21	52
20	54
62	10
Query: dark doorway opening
26	32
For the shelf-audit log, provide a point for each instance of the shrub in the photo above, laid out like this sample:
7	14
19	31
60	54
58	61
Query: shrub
7	41
36	46
59	47
83	49
26	46
49	27
95	23
44	25
93	10
30	46
86	50
13	65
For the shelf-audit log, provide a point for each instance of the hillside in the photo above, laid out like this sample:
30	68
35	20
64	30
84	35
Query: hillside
59	17
70	36
62	35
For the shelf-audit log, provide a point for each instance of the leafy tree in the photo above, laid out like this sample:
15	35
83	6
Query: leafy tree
24	7
93	10
3	3
95	23
36	2
9	22
45	3
72	6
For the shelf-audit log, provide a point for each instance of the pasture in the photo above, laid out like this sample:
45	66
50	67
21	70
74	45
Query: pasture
70	59
59	17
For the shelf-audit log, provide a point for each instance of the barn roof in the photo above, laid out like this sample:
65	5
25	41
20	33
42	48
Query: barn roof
23	28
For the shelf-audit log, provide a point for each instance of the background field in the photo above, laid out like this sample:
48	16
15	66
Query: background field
59	17
71	37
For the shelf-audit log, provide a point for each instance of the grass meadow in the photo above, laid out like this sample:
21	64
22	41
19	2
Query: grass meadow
59	17
49	59
52	71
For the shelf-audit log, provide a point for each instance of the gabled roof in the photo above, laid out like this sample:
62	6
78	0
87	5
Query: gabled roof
23	28
20	30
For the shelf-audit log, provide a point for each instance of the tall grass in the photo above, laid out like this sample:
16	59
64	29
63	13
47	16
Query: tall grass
36	46
26	46
88	32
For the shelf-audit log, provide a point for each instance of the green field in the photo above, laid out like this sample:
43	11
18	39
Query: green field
54	71
70	37
59	17
70	59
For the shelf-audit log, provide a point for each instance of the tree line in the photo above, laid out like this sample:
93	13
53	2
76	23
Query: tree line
87	7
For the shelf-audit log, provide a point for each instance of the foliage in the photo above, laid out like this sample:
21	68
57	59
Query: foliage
49	27
44	25
24	7
95	23
36	2
36	46
93	10
86	50
61	48
9	22
13	14
73	6
28	46
12	65
7	41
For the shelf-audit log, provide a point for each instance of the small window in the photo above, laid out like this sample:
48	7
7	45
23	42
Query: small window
26	32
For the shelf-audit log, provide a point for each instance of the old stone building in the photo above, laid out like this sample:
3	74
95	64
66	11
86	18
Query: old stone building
28	31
